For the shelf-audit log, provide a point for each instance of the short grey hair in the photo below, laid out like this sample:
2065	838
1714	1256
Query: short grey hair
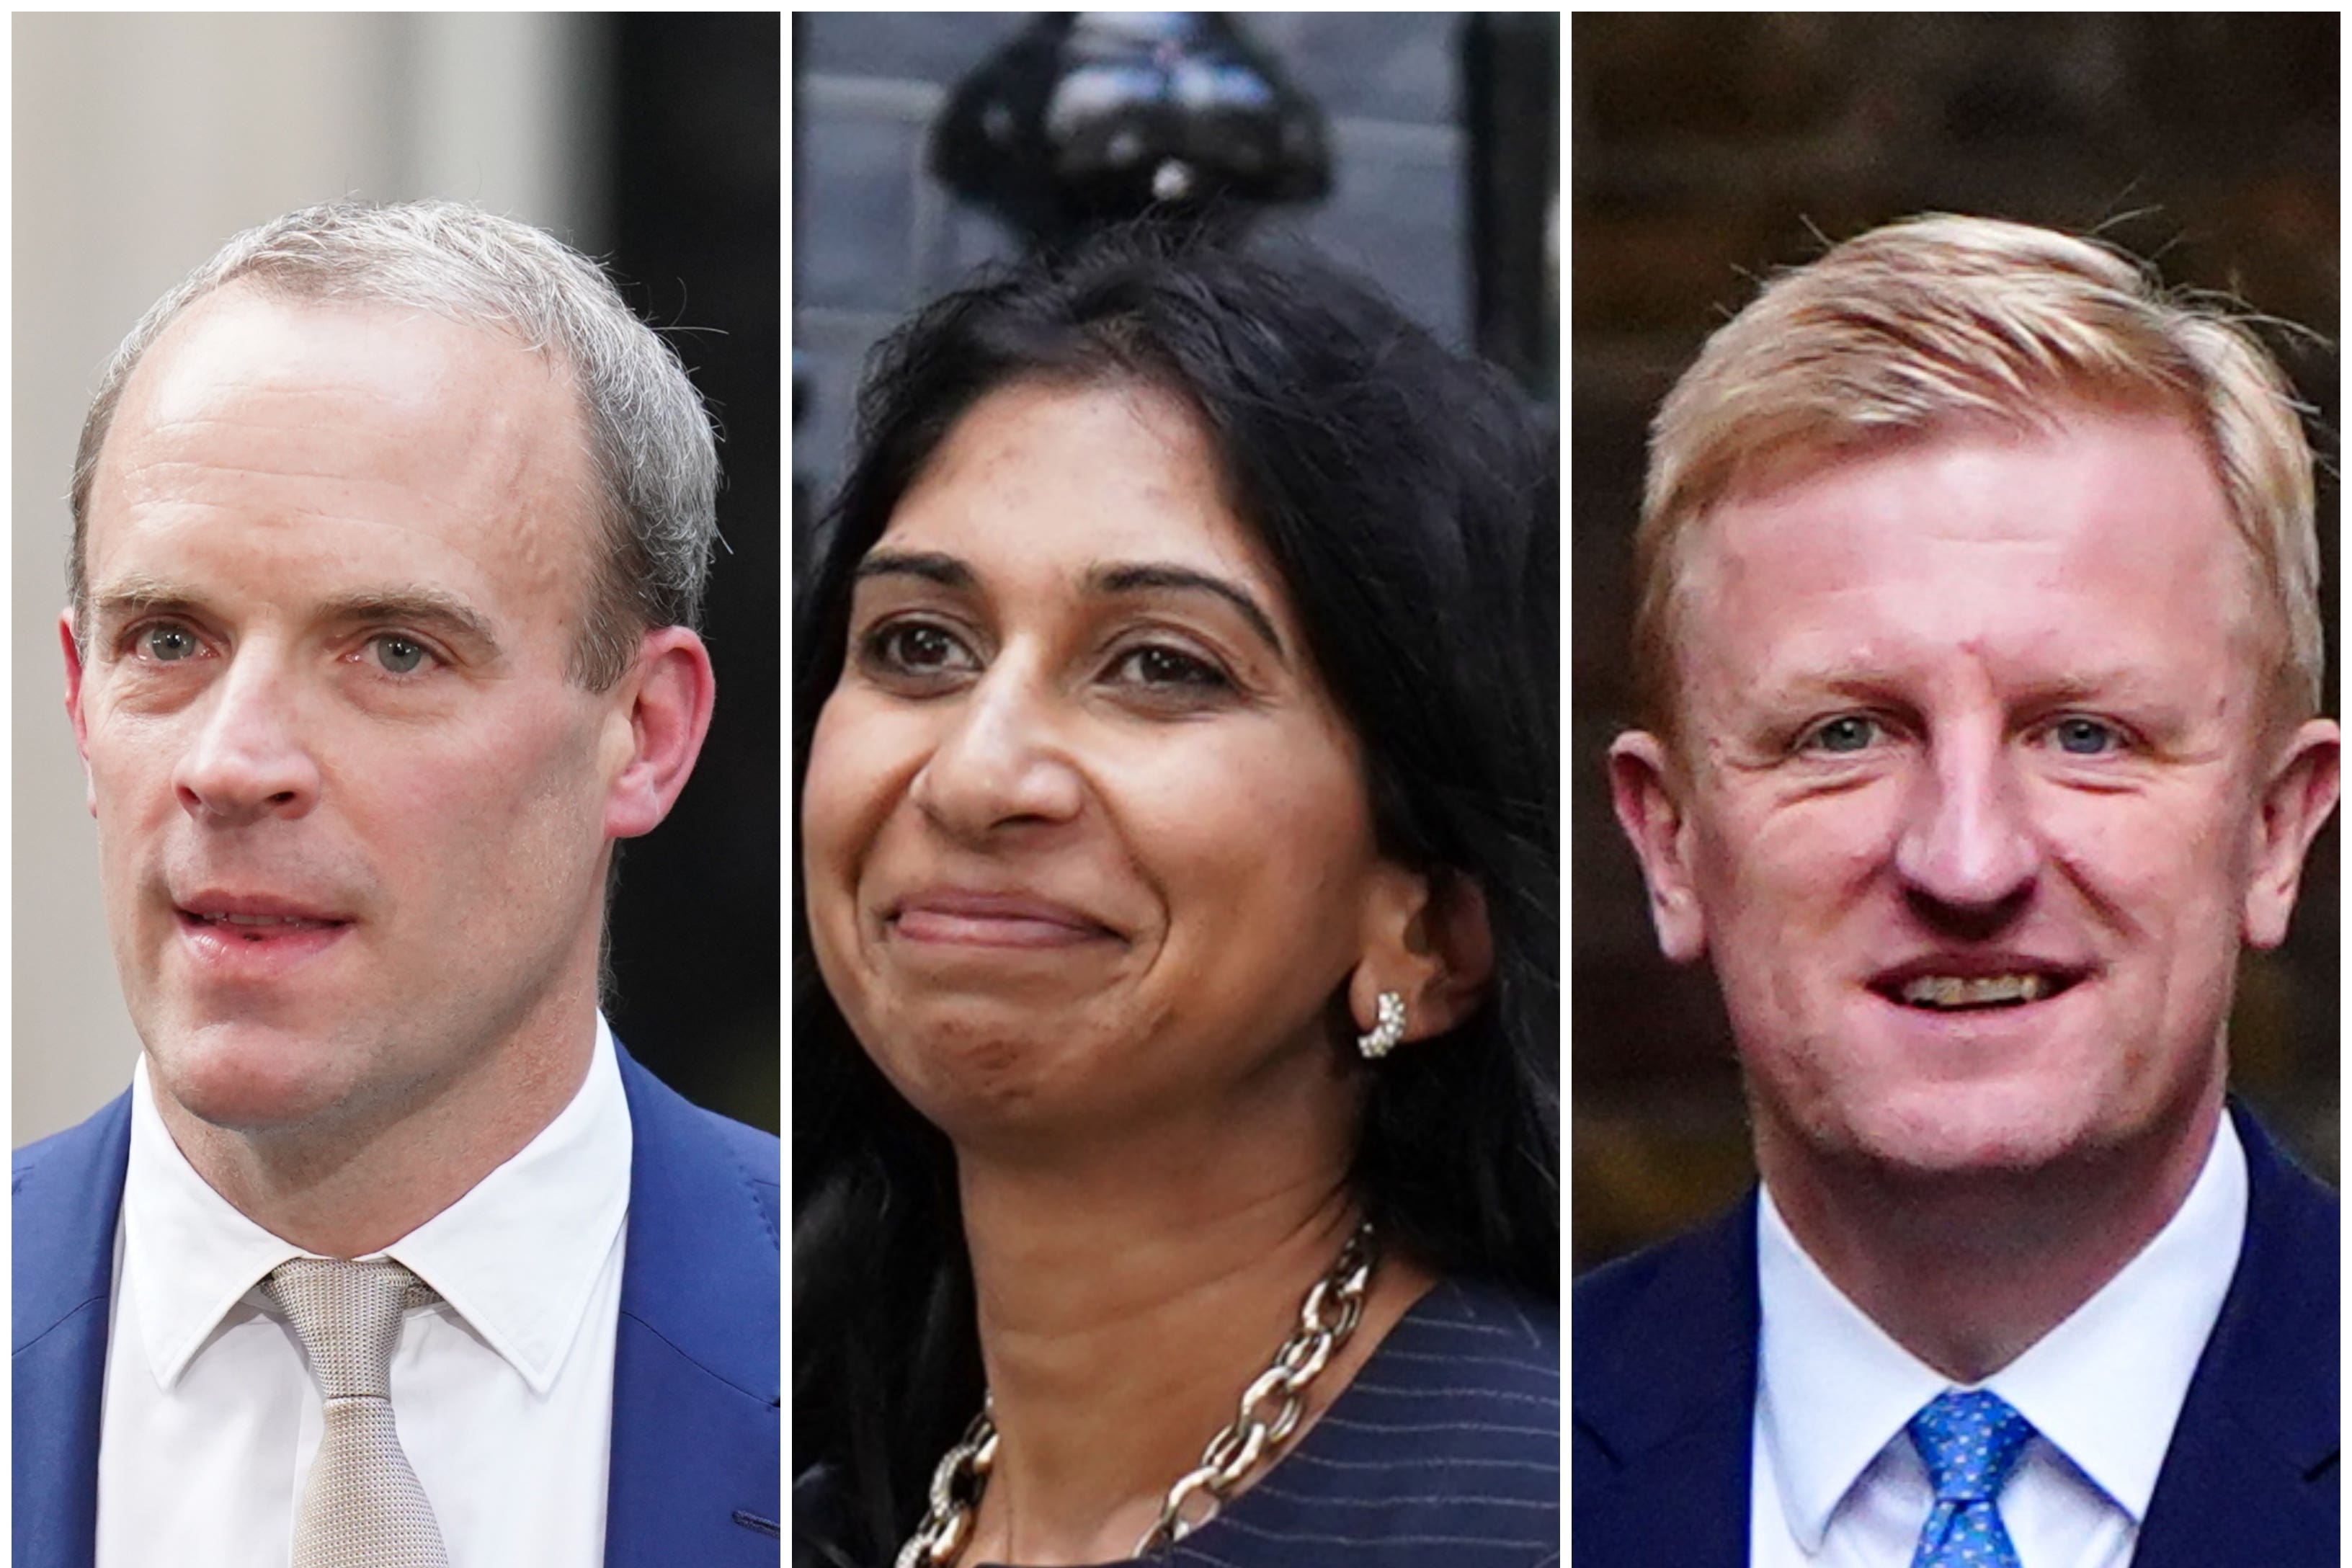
648	435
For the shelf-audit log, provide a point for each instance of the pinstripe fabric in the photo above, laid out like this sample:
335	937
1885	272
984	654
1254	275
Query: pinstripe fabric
1442	1453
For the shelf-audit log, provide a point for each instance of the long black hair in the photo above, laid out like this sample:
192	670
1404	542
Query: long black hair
1408	500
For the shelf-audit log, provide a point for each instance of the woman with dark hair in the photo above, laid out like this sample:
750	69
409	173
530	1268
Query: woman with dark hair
1176	1038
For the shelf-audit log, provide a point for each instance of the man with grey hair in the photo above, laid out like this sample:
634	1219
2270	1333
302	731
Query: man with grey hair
1980	630
389	528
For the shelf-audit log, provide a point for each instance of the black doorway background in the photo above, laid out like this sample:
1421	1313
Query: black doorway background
693	236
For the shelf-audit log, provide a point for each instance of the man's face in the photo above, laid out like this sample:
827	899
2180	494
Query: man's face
349	810
1977	793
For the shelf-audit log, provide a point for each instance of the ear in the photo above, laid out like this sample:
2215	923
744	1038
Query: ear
73	705
661	713
1647	791
2302	790
1429	941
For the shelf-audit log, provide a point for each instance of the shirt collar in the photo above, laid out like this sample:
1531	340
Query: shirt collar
516	1257
2104	1386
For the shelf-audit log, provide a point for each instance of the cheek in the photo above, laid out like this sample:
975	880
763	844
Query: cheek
1771	875
859	763
512	809
2167	869
1269	833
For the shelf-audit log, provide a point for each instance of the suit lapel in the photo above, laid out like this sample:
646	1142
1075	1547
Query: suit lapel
1664	1402
2252	1473
66	1194
696	1422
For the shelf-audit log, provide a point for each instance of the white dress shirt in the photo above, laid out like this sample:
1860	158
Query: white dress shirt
502	1391
1837	1483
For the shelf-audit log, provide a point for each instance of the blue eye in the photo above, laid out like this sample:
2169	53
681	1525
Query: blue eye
399	655
170	644
2085	737
1845	733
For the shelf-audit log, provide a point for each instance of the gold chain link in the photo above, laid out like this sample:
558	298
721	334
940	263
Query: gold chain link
1271	1408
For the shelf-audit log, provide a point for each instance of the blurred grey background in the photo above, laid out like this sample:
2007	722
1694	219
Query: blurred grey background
143	141
1711	149
1420	106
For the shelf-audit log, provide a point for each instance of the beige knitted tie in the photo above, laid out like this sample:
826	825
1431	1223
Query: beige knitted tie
360	1506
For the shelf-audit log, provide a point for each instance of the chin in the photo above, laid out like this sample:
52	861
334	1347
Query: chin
1952	1129
250	1077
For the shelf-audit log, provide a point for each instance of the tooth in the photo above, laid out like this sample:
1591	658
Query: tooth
1974	990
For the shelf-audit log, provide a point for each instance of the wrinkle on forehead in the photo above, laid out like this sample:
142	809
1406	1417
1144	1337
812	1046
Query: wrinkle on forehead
297	417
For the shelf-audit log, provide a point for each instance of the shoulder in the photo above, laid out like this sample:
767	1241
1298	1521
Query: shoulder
1446	1448
105	1130
1664	1349
1476	1367
64	1193
677	1140
1711	1269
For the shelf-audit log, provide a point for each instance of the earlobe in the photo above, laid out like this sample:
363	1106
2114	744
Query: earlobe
1642	787
1429	944
666	701
2294	806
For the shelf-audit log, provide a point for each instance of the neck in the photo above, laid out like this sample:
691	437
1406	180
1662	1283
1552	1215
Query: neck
1122	1311
342	1186
1967	1273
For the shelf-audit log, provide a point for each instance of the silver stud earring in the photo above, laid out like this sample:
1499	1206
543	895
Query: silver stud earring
1388	1028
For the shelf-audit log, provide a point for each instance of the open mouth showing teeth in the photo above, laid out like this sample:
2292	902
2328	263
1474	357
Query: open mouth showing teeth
259	928
1947	992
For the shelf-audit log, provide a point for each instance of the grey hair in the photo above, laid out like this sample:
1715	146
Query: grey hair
648	434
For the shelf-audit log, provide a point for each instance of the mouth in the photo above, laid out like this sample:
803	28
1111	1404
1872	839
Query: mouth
257	927
1929	990
962	919
243	930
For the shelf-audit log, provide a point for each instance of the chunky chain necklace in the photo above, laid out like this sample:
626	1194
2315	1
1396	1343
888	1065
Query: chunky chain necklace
1270	1410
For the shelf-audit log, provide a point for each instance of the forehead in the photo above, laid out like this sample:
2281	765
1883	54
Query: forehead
275	432
1041	480
2102	543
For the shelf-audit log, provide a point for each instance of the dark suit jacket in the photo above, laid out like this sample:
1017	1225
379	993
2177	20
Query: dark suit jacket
1665	1398
696	1445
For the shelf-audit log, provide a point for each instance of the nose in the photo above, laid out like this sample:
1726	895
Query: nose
248	760
1001	761
1968	854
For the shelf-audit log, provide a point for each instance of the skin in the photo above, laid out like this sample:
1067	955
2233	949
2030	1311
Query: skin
1130	1038
336	556
1978	702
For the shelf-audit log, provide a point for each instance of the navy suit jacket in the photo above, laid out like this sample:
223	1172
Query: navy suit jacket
1665	1398
697	1411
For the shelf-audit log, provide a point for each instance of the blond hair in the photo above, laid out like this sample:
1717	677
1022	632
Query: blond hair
1941	319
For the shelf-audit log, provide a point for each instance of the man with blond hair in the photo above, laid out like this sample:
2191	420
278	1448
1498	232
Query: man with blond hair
1979	652
390	531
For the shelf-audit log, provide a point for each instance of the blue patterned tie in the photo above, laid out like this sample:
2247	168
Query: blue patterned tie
1970	1442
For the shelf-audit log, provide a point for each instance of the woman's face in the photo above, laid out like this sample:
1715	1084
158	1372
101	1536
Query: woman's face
1085	839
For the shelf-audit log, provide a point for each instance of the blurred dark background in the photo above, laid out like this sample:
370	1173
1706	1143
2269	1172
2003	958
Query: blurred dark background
1709	150
696	220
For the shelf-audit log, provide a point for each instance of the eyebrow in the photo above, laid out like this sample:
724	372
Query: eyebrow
1122	577
1148	576
930	565
427	609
